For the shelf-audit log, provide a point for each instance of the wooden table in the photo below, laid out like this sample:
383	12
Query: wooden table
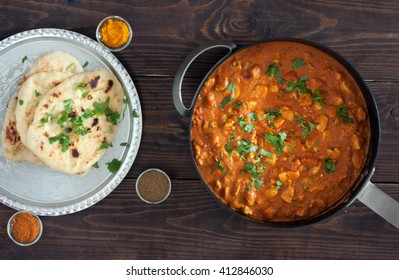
190	224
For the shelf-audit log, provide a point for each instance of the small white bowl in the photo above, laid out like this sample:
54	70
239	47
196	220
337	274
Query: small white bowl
98	33
10	227
163	198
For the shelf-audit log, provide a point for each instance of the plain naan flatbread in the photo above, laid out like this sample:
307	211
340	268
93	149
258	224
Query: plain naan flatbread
55	61
30	93
76	121
13	149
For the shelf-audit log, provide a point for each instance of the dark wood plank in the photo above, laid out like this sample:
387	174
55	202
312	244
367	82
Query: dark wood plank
190	224
364	32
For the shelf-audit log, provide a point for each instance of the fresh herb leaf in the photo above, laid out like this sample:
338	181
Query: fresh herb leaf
342	114
297	62
37	93
290	86
317	98
69	66
329	165
21	102
81	86
230	87
264	153
273	70
226	100
124	144
96	165
277	141
255	171
135	114
307	126
237	105
301	85
63	140
253	116
114	165
246	127
220	165
279	184
85	64
46	119
270	115
104	145
245	147
228	147
25	58
85	94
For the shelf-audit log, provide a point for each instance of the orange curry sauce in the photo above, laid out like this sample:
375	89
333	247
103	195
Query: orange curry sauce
280	131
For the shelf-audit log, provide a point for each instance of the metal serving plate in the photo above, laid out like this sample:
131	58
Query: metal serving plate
24	186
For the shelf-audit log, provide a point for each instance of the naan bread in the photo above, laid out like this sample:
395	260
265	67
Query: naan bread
55	61
31	92
76	121
13	149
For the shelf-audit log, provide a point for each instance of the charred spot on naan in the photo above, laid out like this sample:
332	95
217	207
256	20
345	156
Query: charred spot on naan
12	134
75	153
95	122
93	82
109	85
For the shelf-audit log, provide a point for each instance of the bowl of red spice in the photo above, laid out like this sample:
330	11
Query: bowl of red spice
153	186
114	33
24	228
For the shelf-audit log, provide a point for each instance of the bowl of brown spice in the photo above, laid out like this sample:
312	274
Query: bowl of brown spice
153	186
24	228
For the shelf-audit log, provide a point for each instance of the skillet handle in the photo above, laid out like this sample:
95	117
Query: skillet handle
178	81
381	203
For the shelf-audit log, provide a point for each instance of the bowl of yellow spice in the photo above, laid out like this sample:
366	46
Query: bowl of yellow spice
114	33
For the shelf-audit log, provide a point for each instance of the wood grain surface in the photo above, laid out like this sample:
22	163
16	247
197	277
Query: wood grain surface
191	224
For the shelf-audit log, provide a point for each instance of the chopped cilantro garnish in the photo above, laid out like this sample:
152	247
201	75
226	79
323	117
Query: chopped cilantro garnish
253	116
63	139
135	114
85	94
342	114
25	58
237	105
230	87
247	127
37	93
220	165
69	66
245	147
114	165
277	141
85	64
278	185
270	115
21	102
297	62
104	145
124	144
96	165
307	126
226	100
329	165
274	71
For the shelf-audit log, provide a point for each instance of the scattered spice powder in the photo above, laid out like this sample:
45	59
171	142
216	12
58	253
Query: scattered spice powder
153	186
114	33
25	228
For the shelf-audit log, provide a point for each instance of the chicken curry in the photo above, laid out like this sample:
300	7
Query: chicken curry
280	131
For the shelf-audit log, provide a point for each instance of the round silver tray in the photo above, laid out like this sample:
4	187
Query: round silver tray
26	187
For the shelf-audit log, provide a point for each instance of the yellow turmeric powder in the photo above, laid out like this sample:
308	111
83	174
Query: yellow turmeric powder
114	33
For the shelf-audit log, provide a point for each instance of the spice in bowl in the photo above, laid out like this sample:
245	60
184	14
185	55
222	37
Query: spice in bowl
153	186
114	33
24	228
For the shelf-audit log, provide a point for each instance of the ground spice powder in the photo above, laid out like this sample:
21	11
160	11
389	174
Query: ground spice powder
25	228
114	33
153	186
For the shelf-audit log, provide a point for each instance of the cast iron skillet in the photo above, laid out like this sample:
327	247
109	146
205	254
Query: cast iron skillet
362	189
